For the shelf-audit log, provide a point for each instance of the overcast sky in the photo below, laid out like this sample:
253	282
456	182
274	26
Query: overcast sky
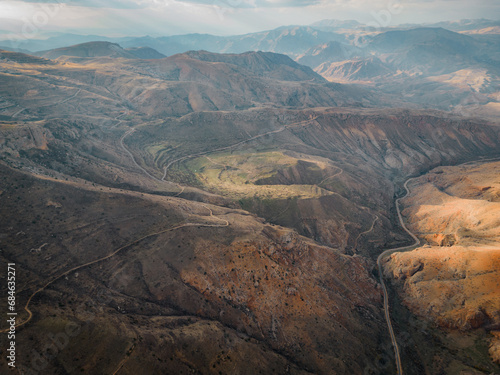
222	17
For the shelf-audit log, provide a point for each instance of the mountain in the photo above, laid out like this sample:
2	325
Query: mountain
335	25
428	49
452	278
196	81
6	48
145	53
468	26
206	81
465	26
356	70
90	49
289	40
264	64
172	45
432	67
101	49
54	41
329	52
22	58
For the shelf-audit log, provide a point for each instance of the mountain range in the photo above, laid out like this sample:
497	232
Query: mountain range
455	63
213	205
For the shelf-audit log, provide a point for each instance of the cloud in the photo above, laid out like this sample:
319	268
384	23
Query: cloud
113	4
237	4
225	17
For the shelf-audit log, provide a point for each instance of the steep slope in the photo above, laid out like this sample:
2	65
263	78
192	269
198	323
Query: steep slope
303	169
265	64
329	52
186	290
431	50
454	279
365	70
145	53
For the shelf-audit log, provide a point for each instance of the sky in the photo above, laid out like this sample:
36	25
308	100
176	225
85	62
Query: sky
33	19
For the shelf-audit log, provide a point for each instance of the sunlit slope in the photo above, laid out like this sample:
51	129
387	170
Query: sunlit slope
455	279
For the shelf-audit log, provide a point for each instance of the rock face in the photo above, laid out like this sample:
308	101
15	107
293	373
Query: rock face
455	280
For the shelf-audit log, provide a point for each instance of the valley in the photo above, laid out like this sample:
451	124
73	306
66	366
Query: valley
231	211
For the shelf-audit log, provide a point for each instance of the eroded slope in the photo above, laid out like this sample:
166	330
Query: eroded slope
455	279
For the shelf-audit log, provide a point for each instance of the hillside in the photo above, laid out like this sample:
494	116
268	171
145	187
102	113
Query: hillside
90	49
101	49
201	285
329	52
180	84
366	70
209	212
453	280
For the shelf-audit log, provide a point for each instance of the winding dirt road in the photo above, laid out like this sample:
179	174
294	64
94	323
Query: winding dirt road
26	306
129	132
335	175
382	282
202	153
365	232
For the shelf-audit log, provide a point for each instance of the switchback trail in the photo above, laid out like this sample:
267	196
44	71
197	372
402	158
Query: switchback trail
129	132
283	128
202	153
365	232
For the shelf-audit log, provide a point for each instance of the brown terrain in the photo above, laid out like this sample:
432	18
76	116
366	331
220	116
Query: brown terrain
208	213
454	280
206	296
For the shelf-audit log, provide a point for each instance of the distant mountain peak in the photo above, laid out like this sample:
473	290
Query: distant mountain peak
101	49
260	63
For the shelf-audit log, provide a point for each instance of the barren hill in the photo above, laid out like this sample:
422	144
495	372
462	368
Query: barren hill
89	49
454	279
186	292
